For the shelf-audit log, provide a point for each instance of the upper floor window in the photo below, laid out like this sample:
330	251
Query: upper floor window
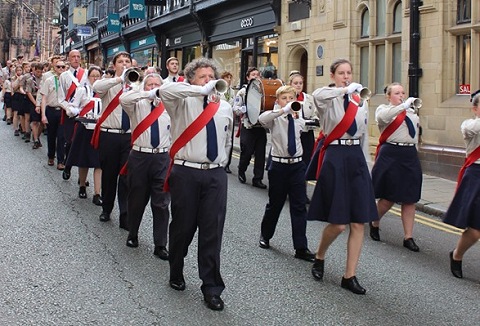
464	11
397	17
380	16
365	24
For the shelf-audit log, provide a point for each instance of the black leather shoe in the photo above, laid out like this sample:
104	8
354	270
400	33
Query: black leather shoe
374	232
132	242
263	243
214	302
305	254
161	252
456	266
66	173
178	285
352	285
410	245
87	184
227	169
97	200
317	269
259	184
104	217
241	177
82	193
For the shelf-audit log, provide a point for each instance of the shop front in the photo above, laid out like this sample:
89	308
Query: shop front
145	51
243	36
111	51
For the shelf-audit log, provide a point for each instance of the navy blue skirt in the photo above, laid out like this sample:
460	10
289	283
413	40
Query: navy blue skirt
82	154
7	99
464	211
344	192
397	174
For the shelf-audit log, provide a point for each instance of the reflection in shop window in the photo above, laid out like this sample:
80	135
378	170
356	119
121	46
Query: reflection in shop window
227	57
267	56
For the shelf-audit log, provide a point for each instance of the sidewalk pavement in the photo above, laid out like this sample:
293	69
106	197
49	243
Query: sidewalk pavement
437	193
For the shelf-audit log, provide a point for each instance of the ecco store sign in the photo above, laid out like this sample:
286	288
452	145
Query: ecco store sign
246	22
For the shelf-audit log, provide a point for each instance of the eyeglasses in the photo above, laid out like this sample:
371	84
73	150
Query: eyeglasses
61	67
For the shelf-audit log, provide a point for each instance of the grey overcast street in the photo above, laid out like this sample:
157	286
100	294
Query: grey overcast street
60	266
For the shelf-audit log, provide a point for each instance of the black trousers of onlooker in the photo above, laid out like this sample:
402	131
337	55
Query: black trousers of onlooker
146	176
113	150
55	138
253	142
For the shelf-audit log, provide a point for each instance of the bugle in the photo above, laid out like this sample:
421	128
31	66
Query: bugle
417	103
221	87
133	76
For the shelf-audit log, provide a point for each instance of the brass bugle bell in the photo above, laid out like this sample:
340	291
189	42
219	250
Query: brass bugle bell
417	103
221	86
294	106
133	76
365	94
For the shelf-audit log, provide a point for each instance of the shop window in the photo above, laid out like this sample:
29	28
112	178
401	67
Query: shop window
464	62
365	23
227	57
297	11
380	16
267	56
464	11
397	17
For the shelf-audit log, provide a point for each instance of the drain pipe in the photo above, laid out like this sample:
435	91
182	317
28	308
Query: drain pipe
414	70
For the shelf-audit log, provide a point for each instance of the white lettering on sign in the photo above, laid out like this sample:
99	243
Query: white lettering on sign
141	42
246	22
115	22
464	89
137	6
114	50
177	40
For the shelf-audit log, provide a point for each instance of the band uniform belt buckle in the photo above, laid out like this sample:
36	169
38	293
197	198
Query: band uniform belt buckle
291	160
205	166
156	150
349	142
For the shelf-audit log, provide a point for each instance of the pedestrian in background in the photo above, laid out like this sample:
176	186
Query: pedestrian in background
343	193
464	211
397	173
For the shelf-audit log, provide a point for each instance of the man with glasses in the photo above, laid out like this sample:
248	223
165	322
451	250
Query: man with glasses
51	114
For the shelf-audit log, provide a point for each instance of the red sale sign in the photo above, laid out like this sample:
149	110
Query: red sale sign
464	89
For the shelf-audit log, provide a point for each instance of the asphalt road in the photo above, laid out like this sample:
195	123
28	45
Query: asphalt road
60	266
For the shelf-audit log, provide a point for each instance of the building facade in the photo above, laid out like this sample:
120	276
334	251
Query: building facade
430	46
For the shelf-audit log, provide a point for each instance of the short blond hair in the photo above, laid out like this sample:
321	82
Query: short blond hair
285	89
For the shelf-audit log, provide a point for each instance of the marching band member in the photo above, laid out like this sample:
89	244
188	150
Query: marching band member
286	172
51	115
198	181
70	80
397	174
33	85
172	68
253	138
112	138
148	162
308	113
86	107
343	193
463	211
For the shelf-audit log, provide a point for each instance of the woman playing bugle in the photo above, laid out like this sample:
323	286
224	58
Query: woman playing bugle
397	174
343	194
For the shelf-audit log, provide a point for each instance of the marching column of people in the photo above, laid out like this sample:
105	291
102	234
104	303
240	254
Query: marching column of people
171	141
